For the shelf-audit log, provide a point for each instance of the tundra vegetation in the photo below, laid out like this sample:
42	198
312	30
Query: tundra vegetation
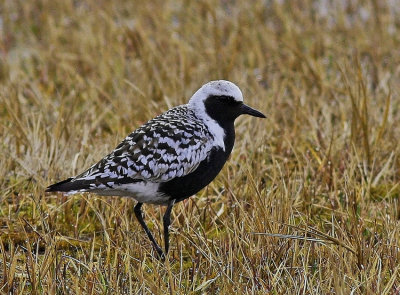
309	200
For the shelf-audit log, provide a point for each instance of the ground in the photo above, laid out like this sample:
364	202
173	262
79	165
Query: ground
309	200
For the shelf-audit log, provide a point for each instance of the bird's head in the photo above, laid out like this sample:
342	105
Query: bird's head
222	101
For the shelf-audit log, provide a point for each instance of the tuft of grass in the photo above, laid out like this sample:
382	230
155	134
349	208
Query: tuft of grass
309	200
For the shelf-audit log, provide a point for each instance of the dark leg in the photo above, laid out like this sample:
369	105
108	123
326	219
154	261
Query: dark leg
139	217
167	222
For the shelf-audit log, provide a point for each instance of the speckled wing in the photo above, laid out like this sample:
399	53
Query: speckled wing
168	146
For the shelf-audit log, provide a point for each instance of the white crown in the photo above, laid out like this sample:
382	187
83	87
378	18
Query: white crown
216	88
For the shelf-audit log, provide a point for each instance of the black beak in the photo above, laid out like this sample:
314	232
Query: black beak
252	112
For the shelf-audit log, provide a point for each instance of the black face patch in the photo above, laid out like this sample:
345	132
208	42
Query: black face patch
223	109
225	99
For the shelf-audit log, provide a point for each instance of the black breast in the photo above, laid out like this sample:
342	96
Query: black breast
181	188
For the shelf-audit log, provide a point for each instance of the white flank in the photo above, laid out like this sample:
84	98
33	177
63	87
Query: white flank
143	192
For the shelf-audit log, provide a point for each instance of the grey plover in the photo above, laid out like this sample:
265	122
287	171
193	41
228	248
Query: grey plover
171	157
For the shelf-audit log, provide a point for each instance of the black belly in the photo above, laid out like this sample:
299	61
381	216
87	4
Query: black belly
181	188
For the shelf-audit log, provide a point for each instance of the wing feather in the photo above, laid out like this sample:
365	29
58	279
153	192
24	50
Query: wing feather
169	146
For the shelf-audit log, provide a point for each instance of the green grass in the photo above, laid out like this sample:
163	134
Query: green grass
77	76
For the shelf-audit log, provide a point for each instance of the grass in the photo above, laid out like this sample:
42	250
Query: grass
307	204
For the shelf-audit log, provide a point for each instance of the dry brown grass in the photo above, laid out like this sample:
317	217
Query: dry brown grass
77	76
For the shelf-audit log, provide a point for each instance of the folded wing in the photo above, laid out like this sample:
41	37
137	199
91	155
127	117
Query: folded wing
162	149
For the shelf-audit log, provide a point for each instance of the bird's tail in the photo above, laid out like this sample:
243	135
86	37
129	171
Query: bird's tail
93	184
69	185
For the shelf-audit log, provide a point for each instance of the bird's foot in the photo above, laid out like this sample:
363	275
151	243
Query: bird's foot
160	253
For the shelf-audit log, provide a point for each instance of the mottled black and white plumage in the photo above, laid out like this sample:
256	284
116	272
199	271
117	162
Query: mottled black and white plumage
172	156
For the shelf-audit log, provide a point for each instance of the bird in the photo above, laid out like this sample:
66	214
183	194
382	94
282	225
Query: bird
171	157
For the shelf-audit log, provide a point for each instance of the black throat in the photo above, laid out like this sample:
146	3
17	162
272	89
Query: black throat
224	110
